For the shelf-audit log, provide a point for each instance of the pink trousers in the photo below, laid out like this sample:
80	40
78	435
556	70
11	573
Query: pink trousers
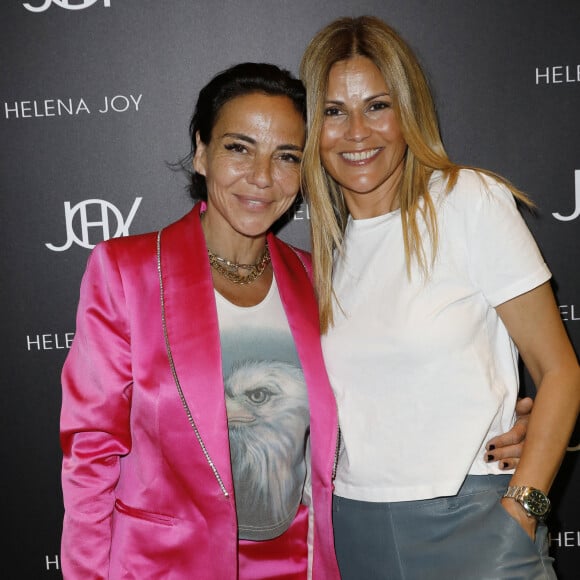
283	558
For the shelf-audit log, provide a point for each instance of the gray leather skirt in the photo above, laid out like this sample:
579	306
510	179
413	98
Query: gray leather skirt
469	536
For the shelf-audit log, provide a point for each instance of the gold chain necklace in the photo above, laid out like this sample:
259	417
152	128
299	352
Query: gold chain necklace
230	270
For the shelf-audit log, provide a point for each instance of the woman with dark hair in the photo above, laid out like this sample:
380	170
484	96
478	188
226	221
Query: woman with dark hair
429	285
198	426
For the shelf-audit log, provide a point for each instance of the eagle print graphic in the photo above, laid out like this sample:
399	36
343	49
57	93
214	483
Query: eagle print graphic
268	420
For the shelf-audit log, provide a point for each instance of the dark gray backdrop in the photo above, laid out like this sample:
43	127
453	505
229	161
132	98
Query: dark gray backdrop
95	100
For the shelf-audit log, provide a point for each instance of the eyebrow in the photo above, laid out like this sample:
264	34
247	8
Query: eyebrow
377	96
247	139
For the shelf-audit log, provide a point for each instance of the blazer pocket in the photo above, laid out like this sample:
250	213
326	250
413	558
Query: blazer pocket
143	514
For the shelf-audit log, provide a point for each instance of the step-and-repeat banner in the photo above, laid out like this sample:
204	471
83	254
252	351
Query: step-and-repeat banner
95	101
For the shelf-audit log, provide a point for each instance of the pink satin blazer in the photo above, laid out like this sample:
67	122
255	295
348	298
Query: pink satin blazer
147	485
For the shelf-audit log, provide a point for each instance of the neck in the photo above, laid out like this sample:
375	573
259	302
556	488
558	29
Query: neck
370	208
381	201
224	242
372	204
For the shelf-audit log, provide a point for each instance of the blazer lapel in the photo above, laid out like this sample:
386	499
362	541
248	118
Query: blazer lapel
193	335
298	298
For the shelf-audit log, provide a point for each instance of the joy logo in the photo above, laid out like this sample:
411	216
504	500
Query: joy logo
576	212
105	208
65	4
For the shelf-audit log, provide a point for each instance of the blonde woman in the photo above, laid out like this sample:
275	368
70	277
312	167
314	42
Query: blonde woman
429	286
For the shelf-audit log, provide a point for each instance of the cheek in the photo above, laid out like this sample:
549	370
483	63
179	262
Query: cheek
225	171
288	181
328	135
324	153
329	138
400	146
391	130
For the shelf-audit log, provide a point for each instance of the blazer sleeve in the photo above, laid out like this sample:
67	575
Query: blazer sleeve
94	422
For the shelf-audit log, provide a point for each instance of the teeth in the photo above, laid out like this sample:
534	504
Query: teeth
359	155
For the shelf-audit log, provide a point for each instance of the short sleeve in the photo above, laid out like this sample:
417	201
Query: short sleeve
504	259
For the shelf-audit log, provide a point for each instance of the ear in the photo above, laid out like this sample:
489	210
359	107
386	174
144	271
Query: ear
200	157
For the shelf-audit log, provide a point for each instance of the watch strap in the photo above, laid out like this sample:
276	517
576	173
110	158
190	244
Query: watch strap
520	492
516	491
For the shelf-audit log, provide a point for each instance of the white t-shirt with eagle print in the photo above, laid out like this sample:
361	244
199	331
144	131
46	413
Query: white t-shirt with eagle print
268	415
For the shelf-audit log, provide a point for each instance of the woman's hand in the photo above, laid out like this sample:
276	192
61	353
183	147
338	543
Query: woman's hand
507	448
516	511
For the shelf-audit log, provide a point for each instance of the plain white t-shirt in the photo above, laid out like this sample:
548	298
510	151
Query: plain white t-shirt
423	370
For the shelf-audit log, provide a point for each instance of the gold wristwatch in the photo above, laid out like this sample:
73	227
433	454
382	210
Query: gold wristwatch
534	501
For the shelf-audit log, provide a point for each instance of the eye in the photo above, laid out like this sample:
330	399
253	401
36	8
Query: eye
379	105
332	111
290	158
235	147
259	396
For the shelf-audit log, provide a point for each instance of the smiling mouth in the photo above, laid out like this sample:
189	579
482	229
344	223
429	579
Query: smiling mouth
254	203
355	156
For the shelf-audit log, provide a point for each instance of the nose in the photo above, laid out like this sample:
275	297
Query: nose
358	128
261	172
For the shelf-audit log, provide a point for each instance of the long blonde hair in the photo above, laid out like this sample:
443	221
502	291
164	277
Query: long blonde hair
413	104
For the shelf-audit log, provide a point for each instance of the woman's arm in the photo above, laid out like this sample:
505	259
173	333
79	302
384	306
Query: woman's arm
534	323
94	423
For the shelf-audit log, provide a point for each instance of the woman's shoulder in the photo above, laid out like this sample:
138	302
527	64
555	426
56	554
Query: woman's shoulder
143	243
472	187
125	253
124	244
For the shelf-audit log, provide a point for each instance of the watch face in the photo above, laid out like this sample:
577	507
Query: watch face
537	503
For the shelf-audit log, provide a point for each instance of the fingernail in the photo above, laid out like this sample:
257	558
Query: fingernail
491	448
490	457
